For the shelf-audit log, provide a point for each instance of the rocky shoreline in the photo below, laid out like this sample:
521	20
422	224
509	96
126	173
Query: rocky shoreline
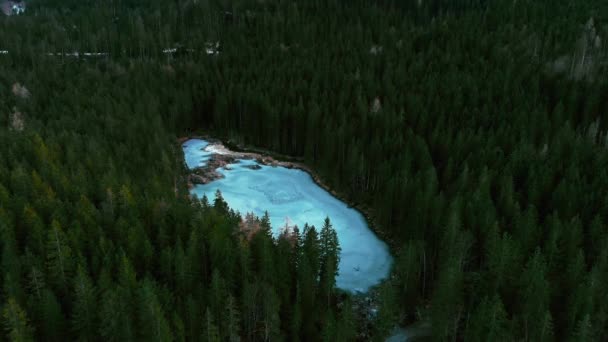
222	157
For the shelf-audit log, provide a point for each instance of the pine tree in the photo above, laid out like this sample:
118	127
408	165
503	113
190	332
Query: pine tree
387	311
251	314
584	330
535	299
84	310
296	318
217	299
270	317
53	322
232	319
311	249
307	289
219	203
152	321
35	229
211	332
329	328
330	259
116	323
59	256
11	262
347	329
193	318
180	267
262	247
16	323
489	322
37	283
285	266
408	268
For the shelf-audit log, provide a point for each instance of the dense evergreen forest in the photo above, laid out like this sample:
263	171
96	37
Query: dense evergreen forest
472	132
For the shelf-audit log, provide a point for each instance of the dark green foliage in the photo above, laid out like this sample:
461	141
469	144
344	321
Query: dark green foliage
330	258
98	244
16	324
485	170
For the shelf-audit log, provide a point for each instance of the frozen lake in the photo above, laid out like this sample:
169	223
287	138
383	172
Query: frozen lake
291	194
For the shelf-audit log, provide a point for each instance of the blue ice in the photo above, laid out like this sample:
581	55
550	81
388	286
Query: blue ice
195	154
291	195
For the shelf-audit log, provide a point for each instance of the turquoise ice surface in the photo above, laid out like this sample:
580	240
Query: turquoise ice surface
291	195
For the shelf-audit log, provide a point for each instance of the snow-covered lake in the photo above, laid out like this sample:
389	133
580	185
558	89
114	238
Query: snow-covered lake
291	194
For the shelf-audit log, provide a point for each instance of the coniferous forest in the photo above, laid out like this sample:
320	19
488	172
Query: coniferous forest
473	133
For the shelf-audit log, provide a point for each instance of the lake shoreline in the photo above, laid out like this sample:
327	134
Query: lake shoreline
365	304
270	158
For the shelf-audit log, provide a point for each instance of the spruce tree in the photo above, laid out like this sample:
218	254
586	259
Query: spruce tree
16	323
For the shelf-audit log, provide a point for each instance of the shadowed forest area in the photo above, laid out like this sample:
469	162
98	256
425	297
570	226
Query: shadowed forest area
473	133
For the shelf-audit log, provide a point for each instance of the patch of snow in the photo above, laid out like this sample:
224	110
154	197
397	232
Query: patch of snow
78	54
590	25
376	105
20	91
586	58
17	122
212	48
97	54
217	149
18	9
375	49
170	51
544	150
11	7
592	131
